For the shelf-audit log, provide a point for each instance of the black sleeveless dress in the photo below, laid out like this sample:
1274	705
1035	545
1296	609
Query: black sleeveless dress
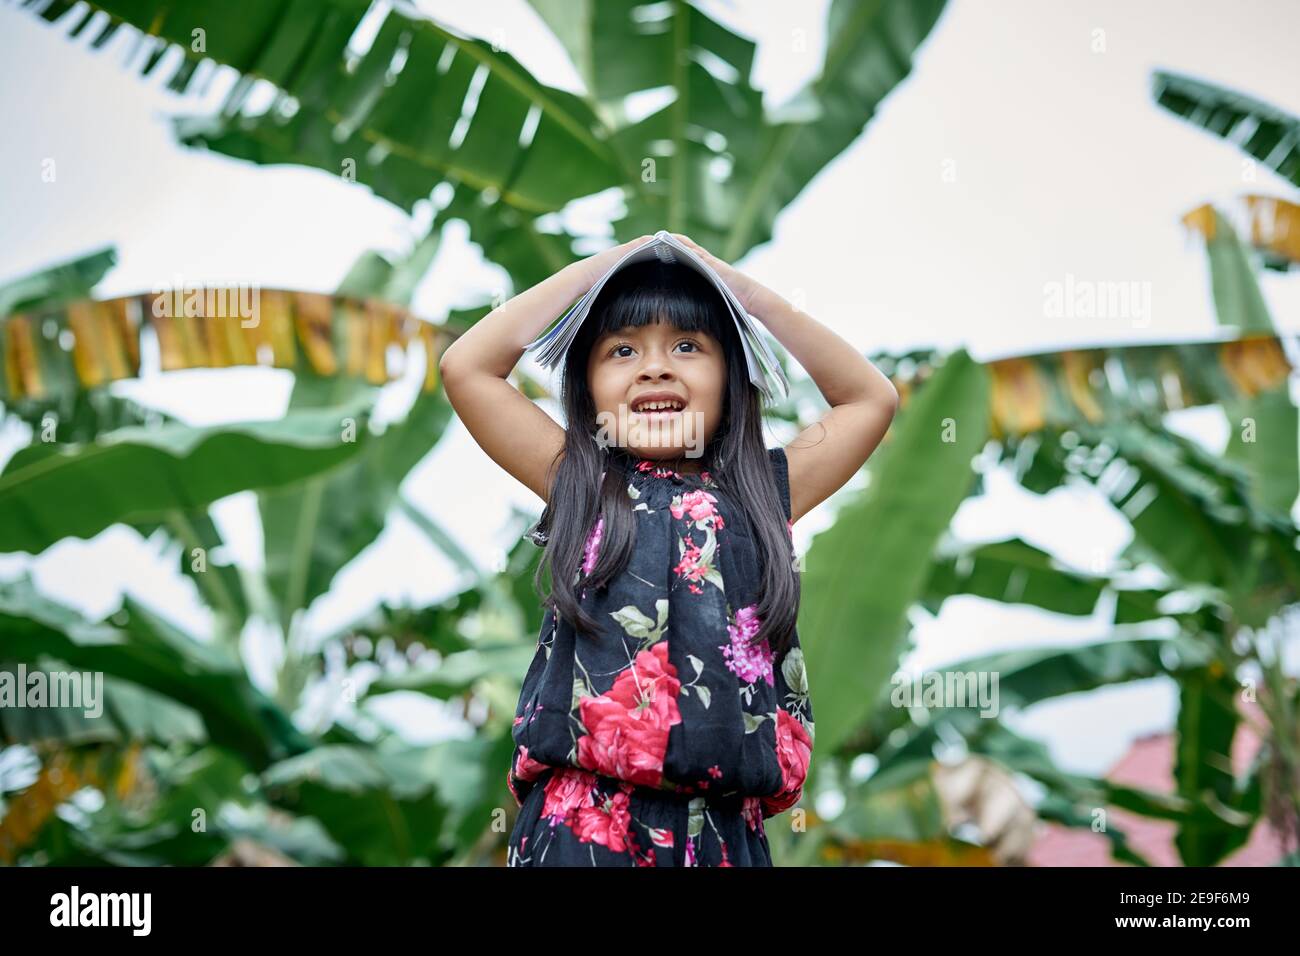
665	742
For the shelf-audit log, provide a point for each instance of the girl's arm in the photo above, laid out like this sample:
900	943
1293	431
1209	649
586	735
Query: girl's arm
826	454
515	432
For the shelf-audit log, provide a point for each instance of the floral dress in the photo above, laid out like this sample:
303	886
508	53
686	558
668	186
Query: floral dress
664	742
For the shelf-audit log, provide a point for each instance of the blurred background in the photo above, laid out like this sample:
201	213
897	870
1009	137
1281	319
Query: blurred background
1068	233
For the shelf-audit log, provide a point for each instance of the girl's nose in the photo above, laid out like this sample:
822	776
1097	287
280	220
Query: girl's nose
655	366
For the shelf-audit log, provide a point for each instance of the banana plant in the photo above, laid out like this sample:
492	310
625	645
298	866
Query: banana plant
1220	529
106	461
190	757
407	104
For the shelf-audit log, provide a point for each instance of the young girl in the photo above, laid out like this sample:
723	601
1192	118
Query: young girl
666	713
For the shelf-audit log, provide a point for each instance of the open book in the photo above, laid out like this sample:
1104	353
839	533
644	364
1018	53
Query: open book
764	370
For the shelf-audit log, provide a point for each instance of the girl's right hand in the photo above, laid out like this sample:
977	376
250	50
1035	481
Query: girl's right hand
593	267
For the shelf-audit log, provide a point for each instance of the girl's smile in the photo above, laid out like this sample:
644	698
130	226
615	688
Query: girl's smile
658	406
653	381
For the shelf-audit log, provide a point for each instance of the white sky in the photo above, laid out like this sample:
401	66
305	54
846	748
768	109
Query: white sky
1012	157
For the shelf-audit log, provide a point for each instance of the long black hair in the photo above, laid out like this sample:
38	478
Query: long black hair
736	455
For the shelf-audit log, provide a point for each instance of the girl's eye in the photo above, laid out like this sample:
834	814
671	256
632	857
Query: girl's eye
616	350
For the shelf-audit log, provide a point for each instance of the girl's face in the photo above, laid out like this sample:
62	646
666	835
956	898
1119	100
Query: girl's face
629	368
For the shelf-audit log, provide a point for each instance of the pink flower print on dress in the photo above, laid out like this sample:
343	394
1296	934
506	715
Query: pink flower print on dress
525	768
691	567
606	822
627	726
749	663
567	791
793	751
591	551
698	508
699	505
648	467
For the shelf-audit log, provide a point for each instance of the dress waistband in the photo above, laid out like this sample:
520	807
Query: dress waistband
678	803
727	801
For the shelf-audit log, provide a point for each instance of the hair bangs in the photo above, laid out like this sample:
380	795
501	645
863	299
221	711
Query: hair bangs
649	292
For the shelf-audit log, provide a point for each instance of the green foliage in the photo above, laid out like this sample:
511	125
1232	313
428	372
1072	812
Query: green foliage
196	757
142	474
56	285
853	635
1262	131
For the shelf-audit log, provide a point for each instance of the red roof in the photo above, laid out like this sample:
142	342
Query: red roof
1149	764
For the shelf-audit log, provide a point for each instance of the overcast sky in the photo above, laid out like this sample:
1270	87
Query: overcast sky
1023	150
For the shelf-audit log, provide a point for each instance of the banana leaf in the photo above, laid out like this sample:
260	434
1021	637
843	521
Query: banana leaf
1263	422
58	284
147	651
1207	724
1259	129
872	564
311	532
139	474
130	713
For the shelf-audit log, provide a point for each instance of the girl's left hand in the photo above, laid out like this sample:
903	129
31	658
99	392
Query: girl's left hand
747	290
